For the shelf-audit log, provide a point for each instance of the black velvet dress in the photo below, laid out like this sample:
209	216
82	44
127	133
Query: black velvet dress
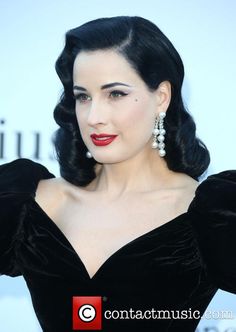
177	266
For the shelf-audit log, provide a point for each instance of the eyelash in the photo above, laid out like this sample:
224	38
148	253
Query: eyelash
80	96
118	92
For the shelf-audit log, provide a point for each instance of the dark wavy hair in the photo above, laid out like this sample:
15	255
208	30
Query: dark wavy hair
155	59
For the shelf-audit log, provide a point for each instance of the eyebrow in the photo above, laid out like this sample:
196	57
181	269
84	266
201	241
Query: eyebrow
105	86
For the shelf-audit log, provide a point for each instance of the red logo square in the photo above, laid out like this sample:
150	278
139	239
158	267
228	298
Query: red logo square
87	313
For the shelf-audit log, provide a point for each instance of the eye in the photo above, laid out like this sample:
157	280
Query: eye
117	94
82	97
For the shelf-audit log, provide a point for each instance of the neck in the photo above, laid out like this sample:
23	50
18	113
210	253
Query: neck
141	173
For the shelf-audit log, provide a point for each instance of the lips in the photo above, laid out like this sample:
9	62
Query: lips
102	139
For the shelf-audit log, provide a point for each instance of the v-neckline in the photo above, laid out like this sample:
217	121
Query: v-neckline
116	252
120	249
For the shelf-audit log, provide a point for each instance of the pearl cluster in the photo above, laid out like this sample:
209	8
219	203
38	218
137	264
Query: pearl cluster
159	134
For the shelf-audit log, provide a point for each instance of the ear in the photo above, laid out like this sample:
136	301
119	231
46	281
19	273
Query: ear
163	94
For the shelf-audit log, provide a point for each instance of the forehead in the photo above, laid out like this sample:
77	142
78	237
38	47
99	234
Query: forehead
104	64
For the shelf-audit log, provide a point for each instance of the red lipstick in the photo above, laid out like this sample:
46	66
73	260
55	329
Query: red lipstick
102	139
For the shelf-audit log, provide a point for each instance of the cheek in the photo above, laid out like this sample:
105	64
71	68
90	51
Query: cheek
81	123
80	116
138	117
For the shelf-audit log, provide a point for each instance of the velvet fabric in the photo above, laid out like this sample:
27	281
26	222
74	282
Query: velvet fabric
176	266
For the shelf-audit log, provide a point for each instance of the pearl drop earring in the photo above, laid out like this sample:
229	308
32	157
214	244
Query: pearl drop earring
89	154
159	134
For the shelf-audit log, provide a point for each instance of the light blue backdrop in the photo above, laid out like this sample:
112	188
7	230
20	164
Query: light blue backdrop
32	35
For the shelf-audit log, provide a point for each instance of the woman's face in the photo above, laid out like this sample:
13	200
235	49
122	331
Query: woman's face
112	99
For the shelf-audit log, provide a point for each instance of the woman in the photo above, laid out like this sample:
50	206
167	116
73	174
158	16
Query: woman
127	220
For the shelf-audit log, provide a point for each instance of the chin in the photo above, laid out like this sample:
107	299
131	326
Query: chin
102	158
108	160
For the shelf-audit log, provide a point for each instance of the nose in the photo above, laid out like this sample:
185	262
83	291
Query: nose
97	113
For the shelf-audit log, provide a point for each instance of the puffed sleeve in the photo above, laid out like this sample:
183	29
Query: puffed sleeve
213	216
18	180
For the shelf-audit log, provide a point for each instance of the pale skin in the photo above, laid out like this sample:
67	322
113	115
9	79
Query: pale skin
134	192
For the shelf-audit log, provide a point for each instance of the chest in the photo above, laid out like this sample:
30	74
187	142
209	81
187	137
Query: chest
96	229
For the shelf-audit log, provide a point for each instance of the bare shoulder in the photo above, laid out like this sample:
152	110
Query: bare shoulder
190	184
48	187
186	191
50	193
